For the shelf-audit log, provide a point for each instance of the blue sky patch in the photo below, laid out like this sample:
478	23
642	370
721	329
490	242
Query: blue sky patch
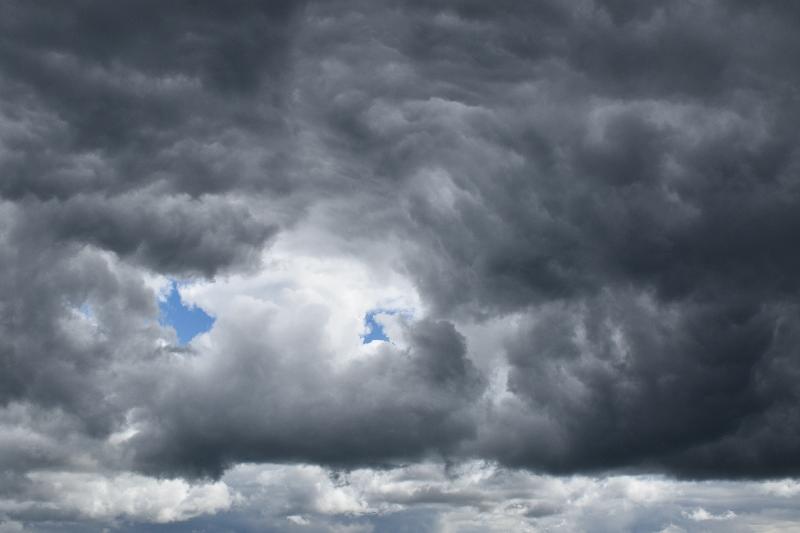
374	329
86	311
188	321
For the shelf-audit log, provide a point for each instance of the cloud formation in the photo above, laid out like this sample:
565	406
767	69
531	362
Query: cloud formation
582	216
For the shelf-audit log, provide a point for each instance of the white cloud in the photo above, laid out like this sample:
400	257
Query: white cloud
132	496
701	515
786	488
480	496
11	526
306	295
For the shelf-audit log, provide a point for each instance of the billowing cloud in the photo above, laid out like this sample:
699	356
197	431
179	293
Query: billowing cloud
575	224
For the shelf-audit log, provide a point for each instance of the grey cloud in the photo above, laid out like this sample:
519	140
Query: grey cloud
617	180
52	354
120	129
617	154
275	404
176	234
623	381
125	127
136	82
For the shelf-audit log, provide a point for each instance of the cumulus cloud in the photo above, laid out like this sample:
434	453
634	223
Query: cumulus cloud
128	496
429	496
701	515
575	223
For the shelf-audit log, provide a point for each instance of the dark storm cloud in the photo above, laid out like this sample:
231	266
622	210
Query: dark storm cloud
122	128
568	179
622	380
618	181
125	125
245	405
53	355
147	85
173	235
593	157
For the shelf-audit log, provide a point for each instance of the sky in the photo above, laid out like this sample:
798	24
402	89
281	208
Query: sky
188	321
363	266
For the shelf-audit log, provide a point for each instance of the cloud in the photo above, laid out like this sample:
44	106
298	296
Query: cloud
64	497
473	496
585	214
130	496
701	515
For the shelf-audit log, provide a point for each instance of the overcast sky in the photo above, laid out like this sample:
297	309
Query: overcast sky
399	266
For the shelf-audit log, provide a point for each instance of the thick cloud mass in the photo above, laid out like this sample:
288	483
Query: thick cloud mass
577	223
398	404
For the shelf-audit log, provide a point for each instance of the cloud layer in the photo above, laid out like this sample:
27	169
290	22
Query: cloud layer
580	221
